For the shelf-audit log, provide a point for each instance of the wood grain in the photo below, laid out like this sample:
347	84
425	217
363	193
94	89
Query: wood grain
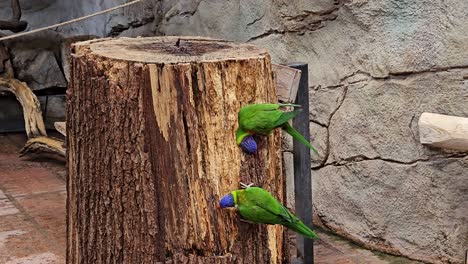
61	128
152	149
287	82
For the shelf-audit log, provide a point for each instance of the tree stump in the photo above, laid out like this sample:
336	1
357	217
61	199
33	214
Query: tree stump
151	149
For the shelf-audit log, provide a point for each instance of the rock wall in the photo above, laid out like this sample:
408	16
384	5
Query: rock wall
375	66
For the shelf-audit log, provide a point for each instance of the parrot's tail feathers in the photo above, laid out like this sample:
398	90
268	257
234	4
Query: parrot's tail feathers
285	117
302	229
293	132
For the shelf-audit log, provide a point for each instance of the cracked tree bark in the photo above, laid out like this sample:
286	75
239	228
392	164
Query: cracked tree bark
151	137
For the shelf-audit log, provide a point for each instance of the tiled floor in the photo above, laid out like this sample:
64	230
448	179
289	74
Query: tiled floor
32	206
32	214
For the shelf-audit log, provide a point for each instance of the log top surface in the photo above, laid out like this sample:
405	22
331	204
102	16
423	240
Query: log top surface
170	49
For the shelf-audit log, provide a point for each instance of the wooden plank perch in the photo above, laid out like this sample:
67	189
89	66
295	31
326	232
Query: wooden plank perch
444	131
151	149
287	82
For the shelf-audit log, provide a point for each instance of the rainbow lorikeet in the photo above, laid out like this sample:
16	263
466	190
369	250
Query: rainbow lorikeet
261	119
258	206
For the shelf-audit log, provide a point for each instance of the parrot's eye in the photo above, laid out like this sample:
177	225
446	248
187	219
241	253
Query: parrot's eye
248	145
227	201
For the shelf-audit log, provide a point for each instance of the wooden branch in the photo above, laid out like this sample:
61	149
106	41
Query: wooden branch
32	113
44	144
61	128
287	82
444	131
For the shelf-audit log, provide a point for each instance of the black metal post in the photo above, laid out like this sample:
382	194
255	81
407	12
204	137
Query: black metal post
302	164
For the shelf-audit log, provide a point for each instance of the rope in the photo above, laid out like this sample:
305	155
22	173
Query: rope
69	21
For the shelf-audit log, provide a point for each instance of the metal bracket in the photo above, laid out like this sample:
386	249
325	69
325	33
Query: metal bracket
302	165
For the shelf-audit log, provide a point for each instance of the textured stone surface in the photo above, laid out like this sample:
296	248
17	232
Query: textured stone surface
11	114
380	38
418	210
378	119
40	13
318	139
38	68
54	110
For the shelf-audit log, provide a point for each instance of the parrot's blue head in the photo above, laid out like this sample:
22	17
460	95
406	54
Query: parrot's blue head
227	201
248	145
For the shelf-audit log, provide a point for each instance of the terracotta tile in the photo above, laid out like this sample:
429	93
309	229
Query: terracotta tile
43	258
49	211
2	195
20	238
9	160
12	143
27	181
7	207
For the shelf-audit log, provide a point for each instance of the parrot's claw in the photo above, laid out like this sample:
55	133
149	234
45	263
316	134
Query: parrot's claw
245	186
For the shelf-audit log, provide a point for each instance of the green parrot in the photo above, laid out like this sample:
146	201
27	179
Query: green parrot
261	119
258	206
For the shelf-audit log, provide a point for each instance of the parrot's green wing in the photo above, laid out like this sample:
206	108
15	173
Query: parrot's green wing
258	107
285	117
248	121
259	206
261	119
261	122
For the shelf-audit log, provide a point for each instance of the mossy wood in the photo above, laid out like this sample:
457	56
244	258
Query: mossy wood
151	148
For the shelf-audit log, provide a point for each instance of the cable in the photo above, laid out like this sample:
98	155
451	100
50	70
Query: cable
68	22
